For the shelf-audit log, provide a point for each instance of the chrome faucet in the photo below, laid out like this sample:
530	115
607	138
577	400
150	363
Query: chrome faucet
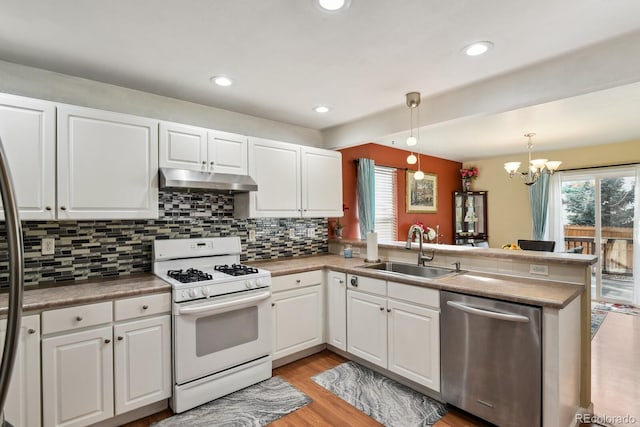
417	229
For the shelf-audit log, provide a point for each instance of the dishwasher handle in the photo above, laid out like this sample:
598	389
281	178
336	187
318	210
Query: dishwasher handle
488	313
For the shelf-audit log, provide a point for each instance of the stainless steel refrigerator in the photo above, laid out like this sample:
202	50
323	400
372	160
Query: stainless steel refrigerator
16	276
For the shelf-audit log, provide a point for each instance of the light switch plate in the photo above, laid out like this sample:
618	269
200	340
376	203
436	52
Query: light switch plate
252	235
292	233
311	232
540	269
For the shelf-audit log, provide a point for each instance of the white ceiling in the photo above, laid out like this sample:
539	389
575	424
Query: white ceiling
286	56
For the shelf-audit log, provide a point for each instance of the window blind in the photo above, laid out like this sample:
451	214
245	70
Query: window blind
386	202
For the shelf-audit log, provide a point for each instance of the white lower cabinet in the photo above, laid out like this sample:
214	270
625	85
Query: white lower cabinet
337	310
367	327
93	369
297	320
142	362
77	378
22	407
414	343
396	327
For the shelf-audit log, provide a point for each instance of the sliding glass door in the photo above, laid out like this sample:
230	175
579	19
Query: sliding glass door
600	215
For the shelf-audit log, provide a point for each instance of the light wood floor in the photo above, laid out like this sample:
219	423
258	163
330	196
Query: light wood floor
615	369
615	383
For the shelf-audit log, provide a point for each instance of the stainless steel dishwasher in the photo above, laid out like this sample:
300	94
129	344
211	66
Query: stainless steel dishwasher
491	359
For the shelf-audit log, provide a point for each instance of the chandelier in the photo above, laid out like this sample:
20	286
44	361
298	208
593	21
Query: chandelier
536	166
413	102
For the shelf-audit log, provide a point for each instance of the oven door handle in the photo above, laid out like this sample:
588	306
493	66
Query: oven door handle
204	308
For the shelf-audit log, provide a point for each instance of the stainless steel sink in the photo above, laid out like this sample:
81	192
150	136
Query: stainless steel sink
428	272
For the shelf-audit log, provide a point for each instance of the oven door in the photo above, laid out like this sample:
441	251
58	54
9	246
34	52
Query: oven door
218	333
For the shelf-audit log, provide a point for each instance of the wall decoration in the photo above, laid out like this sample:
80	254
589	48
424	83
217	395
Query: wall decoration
422	195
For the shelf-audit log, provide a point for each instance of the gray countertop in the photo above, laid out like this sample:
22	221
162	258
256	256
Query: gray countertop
46	297
527	291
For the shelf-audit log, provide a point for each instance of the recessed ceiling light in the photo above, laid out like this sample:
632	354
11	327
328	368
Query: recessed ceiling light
321	109
477	48
332	5
221	80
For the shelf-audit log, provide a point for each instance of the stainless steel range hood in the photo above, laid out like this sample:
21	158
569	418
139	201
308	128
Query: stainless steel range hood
196	180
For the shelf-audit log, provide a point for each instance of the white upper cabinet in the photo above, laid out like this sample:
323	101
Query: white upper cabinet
107	165
206	150
293	181
321	182
183	147
227	152
27	129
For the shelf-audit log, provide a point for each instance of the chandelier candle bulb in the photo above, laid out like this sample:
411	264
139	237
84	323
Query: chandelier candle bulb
372	247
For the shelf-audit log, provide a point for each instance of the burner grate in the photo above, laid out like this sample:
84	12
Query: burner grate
189	276
236	269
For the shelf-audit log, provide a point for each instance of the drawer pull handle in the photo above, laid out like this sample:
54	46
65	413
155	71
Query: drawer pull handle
273	304
31	331
79	318
381	308
341	282
48	208
144	307
388	310
120	338
63	208
107	341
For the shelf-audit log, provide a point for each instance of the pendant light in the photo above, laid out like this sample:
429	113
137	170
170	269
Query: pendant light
413	102
536	166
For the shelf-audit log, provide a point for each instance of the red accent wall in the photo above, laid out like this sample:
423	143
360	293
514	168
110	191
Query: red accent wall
448	173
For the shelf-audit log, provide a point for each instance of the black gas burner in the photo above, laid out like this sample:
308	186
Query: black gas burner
236	269
188	276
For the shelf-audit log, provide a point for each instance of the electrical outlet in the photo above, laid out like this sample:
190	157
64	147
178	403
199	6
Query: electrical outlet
311	232
48	246
540	269
292	233
252	235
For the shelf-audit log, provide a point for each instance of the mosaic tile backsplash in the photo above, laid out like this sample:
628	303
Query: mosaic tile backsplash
86	249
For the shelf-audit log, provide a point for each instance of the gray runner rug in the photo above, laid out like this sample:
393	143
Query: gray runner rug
254	406
383	399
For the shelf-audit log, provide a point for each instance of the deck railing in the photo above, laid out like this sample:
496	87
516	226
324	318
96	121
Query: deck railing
617	243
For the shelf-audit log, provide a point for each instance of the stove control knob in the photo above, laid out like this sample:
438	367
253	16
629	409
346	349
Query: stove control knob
260	281
205	291
193	292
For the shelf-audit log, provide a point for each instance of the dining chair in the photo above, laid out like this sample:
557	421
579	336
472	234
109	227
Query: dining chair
537	245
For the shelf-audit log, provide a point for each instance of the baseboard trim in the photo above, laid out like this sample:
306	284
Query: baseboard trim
298	355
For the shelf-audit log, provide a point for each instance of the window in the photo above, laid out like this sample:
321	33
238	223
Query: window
386	202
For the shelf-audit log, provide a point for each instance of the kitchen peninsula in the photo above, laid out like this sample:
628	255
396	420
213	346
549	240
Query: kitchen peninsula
556	282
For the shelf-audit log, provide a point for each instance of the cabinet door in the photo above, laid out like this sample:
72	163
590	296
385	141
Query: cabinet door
275	166
321	182
298	320
367	327
22	407
142	362
183	147
227	153
337	309
27	129
77	378
414	343
107	165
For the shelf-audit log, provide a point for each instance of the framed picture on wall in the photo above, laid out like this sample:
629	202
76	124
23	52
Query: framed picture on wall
422	195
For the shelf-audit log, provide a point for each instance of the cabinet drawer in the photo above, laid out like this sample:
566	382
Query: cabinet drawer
142	306
68	319
414	294
367	284
297	280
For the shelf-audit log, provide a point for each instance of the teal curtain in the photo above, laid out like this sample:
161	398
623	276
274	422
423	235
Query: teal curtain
366	190
539	200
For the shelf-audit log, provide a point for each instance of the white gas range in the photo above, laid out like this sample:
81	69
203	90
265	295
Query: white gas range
222	318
